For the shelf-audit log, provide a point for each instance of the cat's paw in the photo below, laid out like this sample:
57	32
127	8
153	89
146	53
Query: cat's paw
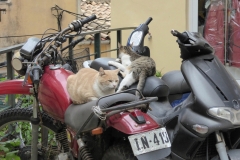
92	98
118	60
111	63
123	74
138	94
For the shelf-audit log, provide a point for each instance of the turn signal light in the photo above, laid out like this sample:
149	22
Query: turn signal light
97	131
200	128
29	80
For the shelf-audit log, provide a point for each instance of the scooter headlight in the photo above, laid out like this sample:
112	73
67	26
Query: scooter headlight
229	114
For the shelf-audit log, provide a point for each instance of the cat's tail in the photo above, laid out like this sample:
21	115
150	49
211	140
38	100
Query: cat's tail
141	82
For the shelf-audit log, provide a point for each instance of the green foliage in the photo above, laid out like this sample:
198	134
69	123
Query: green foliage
7	150
158	73
2	79
27	100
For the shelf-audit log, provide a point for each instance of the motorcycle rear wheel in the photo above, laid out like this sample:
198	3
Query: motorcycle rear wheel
120	151
15	122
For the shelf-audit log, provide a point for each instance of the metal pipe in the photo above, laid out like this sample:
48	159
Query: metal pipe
218	137
34	148
220	146
226	31
119	39
87	42
10	75
106	30
97	46
35	127
70	48
11	48
35	107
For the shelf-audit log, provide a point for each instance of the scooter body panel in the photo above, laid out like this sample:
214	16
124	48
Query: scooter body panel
14	86
210	84
53	94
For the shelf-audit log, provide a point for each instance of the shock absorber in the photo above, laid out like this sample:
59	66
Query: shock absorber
62	137
83	151
221	148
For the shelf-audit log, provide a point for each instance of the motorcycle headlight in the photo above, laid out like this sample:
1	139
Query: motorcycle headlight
229	114
17	64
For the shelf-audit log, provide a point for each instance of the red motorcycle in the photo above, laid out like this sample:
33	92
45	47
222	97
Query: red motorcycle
112	127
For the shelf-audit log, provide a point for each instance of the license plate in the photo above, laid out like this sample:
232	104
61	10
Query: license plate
149	141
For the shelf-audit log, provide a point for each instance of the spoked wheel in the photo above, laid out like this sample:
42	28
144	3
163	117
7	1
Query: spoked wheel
120	151
15	126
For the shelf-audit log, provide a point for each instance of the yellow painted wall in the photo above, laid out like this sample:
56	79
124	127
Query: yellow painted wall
166	15
24	17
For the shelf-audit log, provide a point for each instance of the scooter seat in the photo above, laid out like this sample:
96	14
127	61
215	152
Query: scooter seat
162	112
179	89
154	86
76	115
176	82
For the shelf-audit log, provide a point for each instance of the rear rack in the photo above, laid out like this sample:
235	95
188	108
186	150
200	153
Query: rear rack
129	105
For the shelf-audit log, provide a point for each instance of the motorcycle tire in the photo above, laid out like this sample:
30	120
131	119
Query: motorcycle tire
20	116
120	151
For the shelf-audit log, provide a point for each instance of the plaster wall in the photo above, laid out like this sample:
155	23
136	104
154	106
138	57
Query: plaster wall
166	15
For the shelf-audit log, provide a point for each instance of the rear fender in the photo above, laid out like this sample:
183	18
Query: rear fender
124	122
14	87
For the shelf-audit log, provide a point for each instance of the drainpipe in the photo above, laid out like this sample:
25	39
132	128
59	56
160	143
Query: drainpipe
193	15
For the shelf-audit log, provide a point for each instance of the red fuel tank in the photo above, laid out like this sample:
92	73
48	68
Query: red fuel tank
53	94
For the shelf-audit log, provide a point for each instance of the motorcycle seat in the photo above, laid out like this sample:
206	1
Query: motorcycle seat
76	115
154	86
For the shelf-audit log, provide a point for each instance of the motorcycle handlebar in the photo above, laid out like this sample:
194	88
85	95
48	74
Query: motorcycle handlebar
73	43
36	72
35	76
182	37
88	19
148	20
77	25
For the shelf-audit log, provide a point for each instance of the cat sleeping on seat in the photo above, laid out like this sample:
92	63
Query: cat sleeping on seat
134	67
89	84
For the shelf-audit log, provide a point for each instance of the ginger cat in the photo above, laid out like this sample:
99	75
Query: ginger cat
89	84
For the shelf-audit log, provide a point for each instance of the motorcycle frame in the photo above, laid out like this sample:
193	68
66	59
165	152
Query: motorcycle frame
121	121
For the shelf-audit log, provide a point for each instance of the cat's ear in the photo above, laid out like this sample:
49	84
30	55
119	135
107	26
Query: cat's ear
119	45
117	71
101	71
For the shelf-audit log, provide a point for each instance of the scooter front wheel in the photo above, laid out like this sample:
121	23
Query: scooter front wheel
15	132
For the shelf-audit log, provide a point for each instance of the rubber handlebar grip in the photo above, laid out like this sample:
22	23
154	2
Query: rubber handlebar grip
88	19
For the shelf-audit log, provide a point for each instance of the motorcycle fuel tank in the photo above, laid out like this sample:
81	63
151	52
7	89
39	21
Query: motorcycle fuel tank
53	95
